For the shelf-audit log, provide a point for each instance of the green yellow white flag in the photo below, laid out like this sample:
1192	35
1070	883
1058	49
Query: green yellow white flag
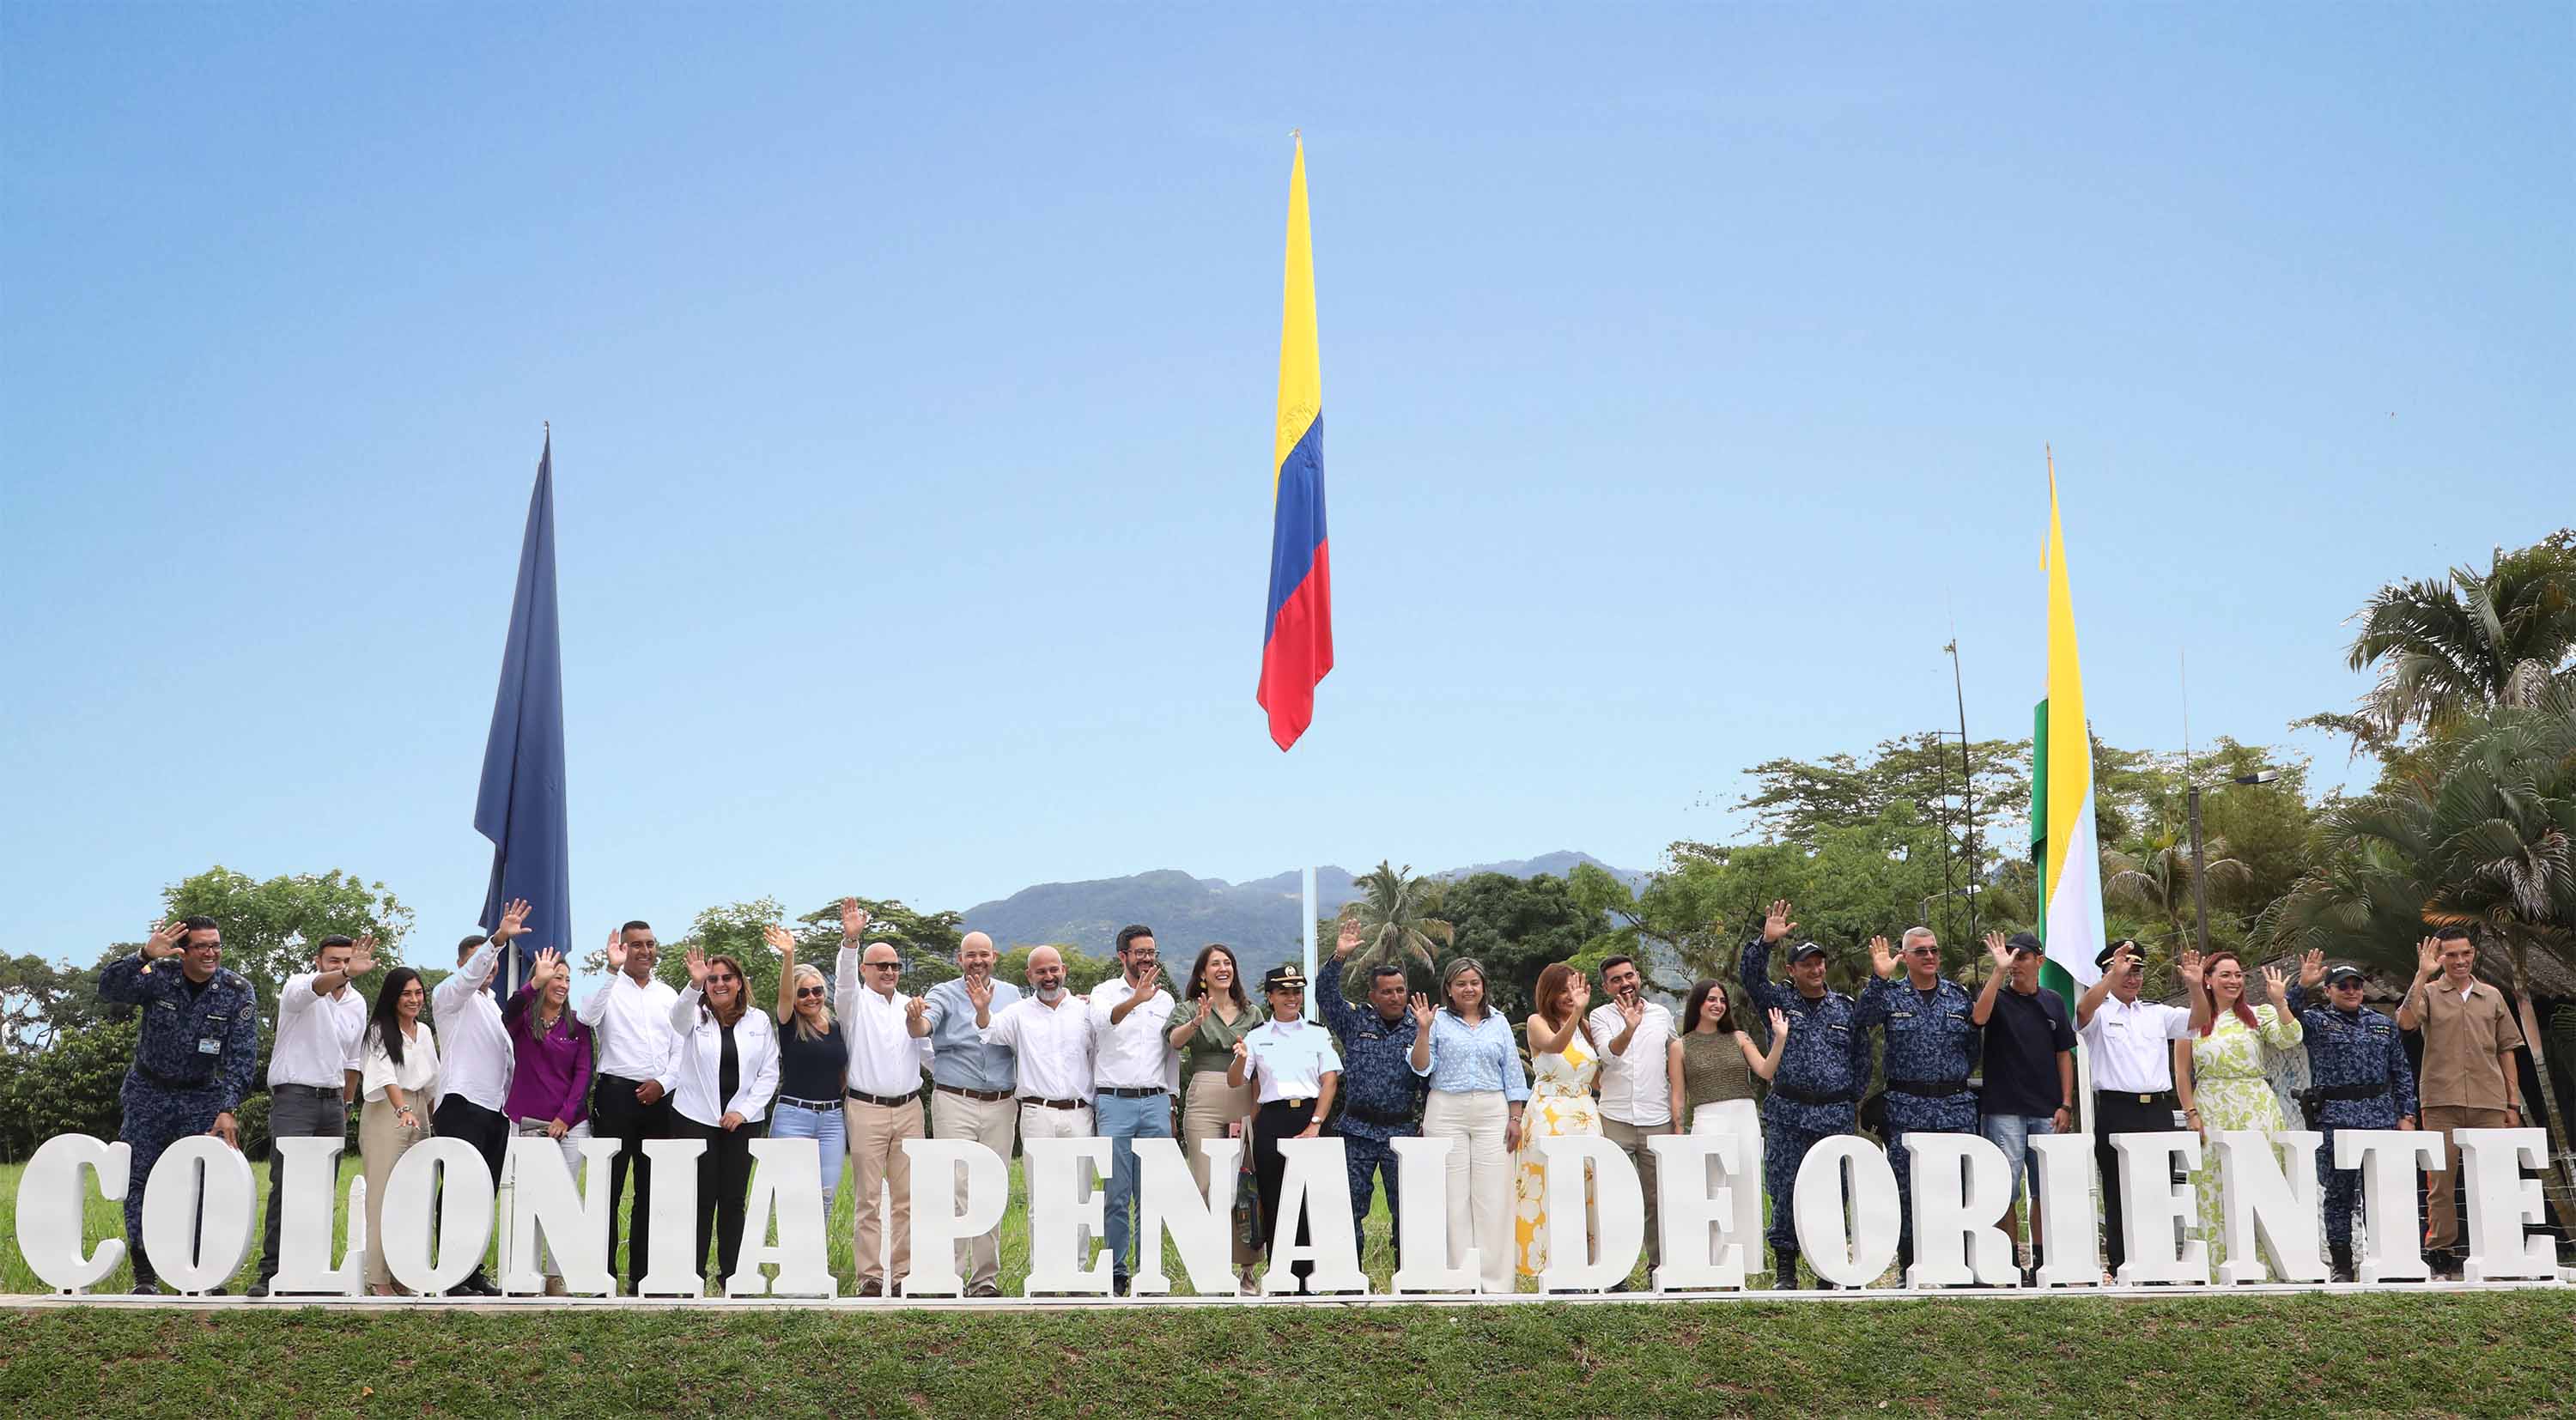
2071	875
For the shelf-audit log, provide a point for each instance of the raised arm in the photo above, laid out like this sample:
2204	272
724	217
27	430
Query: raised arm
1767	1063
1545	1039
2100	991
783	942
1338	1015
1997	947
2428	964
1754	967
1424	1020
123	980
2190	971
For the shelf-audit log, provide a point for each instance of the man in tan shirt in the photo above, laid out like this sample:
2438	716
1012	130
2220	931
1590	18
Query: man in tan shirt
2468	1076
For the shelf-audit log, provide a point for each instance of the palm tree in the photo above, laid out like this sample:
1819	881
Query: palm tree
2159	879
2479	831
1393	912
2450	648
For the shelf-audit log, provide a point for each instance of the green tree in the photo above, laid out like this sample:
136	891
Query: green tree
270	928
2446	650
33	993
2159	877
1794	800
1394	911
2478	833
1515	927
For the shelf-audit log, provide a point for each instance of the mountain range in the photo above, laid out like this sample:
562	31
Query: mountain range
1261	918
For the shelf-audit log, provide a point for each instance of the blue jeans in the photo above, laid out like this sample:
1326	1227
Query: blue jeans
831	1136
2011	1133
1119	1121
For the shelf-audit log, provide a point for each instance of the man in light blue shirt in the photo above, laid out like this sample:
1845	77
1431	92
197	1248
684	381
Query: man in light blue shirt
972	1088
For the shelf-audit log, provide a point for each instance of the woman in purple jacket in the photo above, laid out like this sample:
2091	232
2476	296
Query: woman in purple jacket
550	1088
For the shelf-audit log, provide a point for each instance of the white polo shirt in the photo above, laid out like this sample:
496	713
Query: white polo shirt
2132	1045
1290	1059
317	1036
476	1054
1636	1087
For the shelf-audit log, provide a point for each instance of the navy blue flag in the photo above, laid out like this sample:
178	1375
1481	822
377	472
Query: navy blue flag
521	805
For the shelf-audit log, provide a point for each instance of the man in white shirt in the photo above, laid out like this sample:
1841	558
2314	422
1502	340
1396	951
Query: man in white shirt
2129	1045
1635	1088
319	1019
1134	1074
1048	1033
889	1035
632	1081
475	1058
1294	1070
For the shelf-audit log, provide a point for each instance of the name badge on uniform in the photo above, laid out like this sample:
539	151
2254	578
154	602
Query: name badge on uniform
1370	1035
210	1045
1900	1015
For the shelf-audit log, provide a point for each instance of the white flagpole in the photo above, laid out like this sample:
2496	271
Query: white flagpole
1310	925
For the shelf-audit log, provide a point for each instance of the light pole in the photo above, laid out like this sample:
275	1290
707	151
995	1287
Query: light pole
2199	890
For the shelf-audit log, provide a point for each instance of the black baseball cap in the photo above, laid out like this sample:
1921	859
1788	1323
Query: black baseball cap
1804	950
2342	972
2026	942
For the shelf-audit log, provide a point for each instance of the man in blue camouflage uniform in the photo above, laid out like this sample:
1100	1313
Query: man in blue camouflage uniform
1931	1029
1818	1083
195	1050
1381	1096
2357	1064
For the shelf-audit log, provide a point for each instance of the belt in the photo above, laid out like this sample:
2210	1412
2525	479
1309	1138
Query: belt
1054	1104
889	1101
1371	1116
2128	1096
987	1096
1929	1089
332	1090
2353	1092
1286	1104
1129	1092
820	1106
1811	1096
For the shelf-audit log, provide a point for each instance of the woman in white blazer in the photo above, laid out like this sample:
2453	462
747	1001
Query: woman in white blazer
727	1062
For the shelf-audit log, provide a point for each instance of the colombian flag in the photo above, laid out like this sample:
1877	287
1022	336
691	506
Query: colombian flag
1297	628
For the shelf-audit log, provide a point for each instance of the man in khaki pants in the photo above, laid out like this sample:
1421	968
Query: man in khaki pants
973	1088
889	1048
2468	1075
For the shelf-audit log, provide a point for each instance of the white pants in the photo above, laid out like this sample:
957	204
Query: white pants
1743	1119
989	1123
570	1143
1039	1122
1479	1178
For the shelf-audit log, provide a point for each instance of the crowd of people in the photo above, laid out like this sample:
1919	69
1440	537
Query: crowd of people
858	1065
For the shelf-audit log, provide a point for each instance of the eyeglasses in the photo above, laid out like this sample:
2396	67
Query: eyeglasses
722	978
808	992
883	965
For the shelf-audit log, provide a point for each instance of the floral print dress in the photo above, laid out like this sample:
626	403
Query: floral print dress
1560	1103
2231	1088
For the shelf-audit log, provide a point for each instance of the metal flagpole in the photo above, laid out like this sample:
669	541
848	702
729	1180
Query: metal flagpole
1310	926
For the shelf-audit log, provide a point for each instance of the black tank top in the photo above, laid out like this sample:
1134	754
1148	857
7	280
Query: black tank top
811	1069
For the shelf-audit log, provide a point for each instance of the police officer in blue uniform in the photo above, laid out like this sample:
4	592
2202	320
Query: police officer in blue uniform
195	1051
2357	1065
1381	1096
1930	1025
1818	1083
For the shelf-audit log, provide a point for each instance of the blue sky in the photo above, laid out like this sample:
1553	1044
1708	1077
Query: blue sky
1687	370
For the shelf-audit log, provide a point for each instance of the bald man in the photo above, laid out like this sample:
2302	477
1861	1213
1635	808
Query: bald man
973	1086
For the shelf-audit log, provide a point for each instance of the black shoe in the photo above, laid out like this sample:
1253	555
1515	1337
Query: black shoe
147	1288
872	1288
1784	1269
258	1288
474	1285
1118	1285
2341	1263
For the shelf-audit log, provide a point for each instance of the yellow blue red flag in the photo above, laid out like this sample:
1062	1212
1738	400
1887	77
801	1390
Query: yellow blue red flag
1297	626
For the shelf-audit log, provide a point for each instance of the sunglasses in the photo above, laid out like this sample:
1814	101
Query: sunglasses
808	992
883	965
722	978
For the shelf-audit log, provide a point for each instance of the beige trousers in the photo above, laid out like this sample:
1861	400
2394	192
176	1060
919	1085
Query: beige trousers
883	1244
1211	1108
382	1141
1479	1178
993	1124
2440	1214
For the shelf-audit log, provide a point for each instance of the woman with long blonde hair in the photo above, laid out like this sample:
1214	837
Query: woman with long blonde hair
1564	1063
813	1061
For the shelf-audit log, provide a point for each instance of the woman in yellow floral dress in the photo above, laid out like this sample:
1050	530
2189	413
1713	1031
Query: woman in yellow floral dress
1563	1064
2221	1078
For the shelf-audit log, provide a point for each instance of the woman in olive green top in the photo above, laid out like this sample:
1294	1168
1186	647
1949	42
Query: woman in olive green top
1718	1067
1212	1016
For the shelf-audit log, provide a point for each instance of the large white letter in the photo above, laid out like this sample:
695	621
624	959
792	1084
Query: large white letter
2063	1188
1618	1207
1962	1185
1315	1171
2388	1160
304	1223
1851	1257
2153	1205
464	1214
51	1233
191	1258
2501	1200
2257	1199
1066	1211
1700	1246
1422	1244
935	1230
574	1225
1168	1201
673	1234
787	1191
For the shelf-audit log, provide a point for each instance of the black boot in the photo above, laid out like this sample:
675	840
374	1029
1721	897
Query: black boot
1784	1269
1904	1261
2340	1260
